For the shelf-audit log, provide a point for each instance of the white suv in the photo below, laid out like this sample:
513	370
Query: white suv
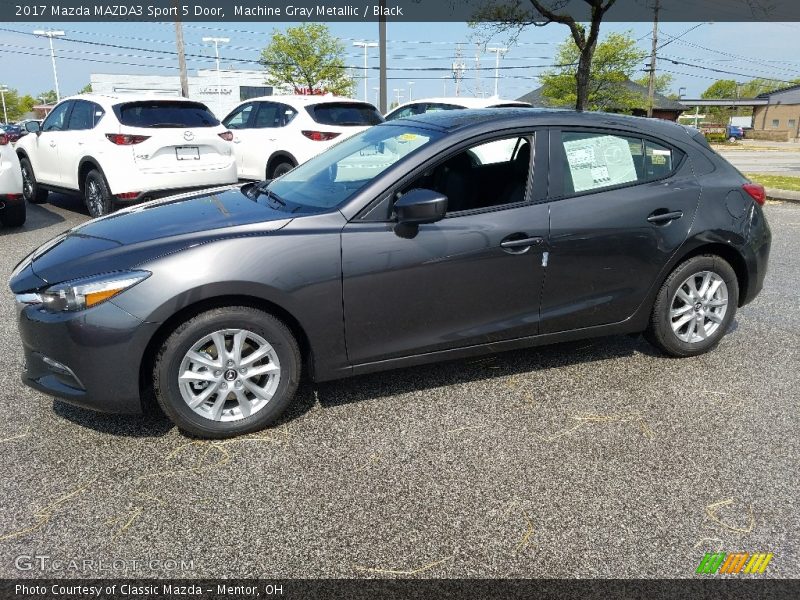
426	105
123	149
12	204
274	134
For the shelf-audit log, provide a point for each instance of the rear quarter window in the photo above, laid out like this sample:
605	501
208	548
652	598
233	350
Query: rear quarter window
166	114
345	114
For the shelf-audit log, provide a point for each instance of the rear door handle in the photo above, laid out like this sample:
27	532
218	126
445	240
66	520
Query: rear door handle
665	217
516	245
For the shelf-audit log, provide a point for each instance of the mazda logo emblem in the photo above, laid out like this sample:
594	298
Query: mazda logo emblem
188	136
230	375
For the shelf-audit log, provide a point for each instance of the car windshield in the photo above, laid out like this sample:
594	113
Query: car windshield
329	179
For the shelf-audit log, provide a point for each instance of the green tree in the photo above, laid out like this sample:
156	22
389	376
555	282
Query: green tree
16	105
48	97
663	83
87	89
723	89
307	56
615	60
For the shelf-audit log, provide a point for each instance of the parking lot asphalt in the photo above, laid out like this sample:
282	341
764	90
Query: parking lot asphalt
599	458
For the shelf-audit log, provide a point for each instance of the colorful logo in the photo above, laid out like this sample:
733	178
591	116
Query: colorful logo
734	563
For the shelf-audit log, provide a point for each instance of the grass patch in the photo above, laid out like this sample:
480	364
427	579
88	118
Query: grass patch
780	182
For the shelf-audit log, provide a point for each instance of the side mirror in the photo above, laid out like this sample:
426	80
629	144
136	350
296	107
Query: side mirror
420	206
33	127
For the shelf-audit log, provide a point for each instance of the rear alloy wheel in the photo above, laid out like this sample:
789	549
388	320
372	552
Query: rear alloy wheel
282	168
227	372
694	307
30	188
96	194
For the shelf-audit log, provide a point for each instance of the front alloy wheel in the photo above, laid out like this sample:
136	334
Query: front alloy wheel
228	371
229	375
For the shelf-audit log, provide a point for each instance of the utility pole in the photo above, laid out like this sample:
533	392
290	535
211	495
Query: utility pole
444	85
366	46
181	52
3	90
458	69
651	86
410	90
478	84
217	41
500	52
399	93
50	34
382	41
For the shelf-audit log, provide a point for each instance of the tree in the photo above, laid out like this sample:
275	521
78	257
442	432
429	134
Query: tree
663	82
307	57
514	18
87	89
48	97
615	60
16	106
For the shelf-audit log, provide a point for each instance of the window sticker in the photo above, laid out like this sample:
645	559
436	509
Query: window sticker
599	161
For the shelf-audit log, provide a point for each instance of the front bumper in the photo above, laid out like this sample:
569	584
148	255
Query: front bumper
89	358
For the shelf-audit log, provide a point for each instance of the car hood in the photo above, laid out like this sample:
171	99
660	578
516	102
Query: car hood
135	235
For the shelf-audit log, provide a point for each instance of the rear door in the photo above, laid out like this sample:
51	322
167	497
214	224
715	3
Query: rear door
472	278
622	204
181	136
239	122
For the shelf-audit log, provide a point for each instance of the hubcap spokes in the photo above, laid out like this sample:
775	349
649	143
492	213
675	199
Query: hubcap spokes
699	307
95	197
229	375
27	184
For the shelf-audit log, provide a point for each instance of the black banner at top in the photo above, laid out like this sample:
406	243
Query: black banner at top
394	10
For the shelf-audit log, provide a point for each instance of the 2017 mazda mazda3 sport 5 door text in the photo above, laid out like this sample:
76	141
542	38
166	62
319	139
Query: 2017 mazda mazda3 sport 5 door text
440	236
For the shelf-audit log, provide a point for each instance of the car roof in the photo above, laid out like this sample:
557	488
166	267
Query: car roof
129	97
466	102
507	118
305	100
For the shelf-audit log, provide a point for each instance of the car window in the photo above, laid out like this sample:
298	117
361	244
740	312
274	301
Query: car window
437	106
273	114
332	177
406	111
166	114
56	120
287	114
487	175
85	115
239	118
345	114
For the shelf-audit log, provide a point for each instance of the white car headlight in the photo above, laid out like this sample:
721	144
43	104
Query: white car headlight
80	294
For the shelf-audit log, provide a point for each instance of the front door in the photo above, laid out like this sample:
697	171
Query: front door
622	207
472	278
45	156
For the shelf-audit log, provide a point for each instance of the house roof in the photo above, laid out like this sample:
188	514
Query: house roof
660	101
791	88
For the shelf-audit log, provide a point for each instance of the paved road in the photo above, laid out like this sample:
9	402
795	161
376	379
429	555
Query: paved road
772	161
597	458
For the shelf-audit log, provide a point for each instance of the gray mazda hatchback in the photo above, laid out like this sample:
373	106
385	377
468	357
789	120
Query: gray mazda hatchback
437	237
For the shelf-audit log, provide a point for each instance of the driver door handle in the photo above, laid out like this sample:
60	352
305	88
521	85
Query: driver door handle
513	244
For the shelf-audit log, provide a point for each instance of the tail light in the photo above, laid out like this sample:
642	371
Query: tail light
11	197
227	136
128	196
3	139
321	136
756	191
121	139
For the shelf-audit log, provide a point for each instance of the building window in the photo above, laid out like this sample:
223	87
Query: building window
776	123
792	124
247	92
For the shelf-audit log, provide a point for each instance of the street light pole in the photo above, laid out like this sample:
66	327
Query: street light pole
217	41
3	90
410	90
500	52
366	46
50	34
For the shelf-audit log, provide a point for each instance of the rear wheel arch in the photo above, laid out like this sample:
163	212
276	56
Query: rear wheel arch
192	310
730	254
85	166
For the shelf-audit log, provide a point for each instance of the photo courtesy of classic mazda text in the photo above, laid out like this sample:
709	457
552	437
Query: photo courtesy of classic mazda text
396	299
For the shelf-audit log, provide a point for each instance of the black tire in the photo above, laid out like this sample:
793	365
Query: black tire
279	169
168	363
31	190
14	213
660	332
96	195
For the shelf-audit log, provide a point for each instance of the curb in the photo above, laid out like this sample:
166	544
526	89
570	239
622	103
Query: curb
783	195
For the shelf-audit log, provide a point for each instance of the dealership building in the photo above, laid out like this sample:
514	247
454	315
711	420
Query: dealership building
221	93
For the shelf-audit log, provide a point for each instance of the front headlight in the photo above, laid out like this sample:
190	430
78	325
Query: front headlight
80	294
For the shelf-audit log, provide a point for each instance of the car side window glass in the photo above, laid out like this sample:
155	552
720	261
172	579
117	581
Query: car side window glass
82	116
268	115
487	175
56	120
437	106
286	115
407	111
239	118
658	160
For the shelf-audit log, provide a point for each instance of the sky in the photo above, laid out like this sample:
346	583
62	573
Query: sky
746	49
